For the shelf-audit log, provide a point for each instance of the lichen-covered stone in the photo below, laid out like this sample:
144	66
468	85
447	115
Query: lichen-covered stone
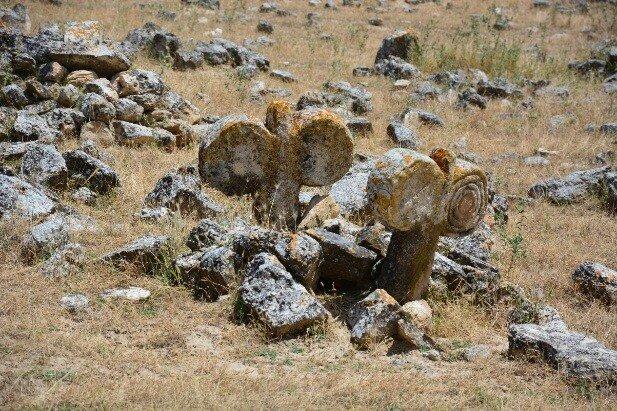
271	294
19	199
373	319
43	164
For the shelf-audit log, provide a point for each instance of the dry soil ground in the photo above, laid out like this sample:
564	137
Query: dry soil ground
173	351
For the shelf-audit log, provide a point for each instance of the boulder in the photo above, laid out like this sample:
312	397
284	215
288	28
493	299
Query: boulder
401	44
181	191
373	319
147	253
206	234
271	294
19	199
87	171
208	273
100	58
343	260
68	259
577	355
573	188
97	108
43	164
138	82
136	135
31	127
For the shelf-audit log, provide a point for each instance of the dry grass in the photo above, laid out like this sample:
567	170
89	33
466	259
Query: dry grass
174	352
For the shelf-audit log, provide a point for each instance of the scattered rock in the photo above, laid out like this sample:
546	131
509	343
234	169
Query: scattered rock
146	253
43	164
74	302
597	280
87	171
572	188
131	294
270	293
20	199
373	319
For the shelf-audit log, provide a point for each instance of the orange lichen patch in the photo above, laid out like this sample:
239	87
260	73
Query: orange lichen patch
443	158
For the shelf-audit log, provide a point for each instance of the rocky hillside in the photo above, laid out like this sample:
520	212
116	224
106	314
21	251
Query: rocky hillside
308	204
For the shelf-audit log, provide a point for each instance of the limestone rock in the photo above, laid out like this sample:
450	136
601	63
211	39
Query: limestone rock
206	234
181	191
373	319
74	302
68	259
272	296
87	171
99	58
44	165
19	199
570	189
135	135
146	253
597	280
343	260
131	294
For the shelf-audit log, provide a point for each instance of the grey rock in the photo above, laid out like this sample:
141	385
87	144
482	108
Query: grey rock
498	88
400	44
396	68
43	164
10	151
373	319
136	135
570	189
588	66
208	273
598	281
363	71
265	26
181	191
284	76
30	127
97	108
19	199
143	39
102	87
84	195
206	234
360	99
130	293
272	296
609	187
66	120
152	215
375	238
146	253
213	54
44	238
350	191
536	160
68	95
128	110
471	97
402	136
343	260
16	19
188	60
302	257
575	354
99	58
68	259
87	171
247	71
241	56
14	96
608	128
74	302
479	283
206	4
413	335
136	81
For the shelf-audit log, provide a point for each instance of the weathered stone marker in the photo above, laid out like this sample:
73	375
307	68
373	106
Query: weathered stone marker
421	198
239	156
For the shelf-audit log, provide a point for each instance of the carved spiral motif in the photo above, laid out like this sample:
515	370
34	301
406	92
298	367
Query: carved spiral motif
467	205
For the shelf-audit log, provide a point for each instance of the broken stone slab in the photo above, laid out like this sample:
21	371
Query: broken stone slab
147	253
208	273
30	127
43	164
181	191
413	335
349	192
135	82
20	199
271	294
572	188
87	171
100	58
68	259
302	257
206	234
136	135
577	355
375	238
480	283
420	198
102	87
343	260
311	147
598	281
130	294
373	319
